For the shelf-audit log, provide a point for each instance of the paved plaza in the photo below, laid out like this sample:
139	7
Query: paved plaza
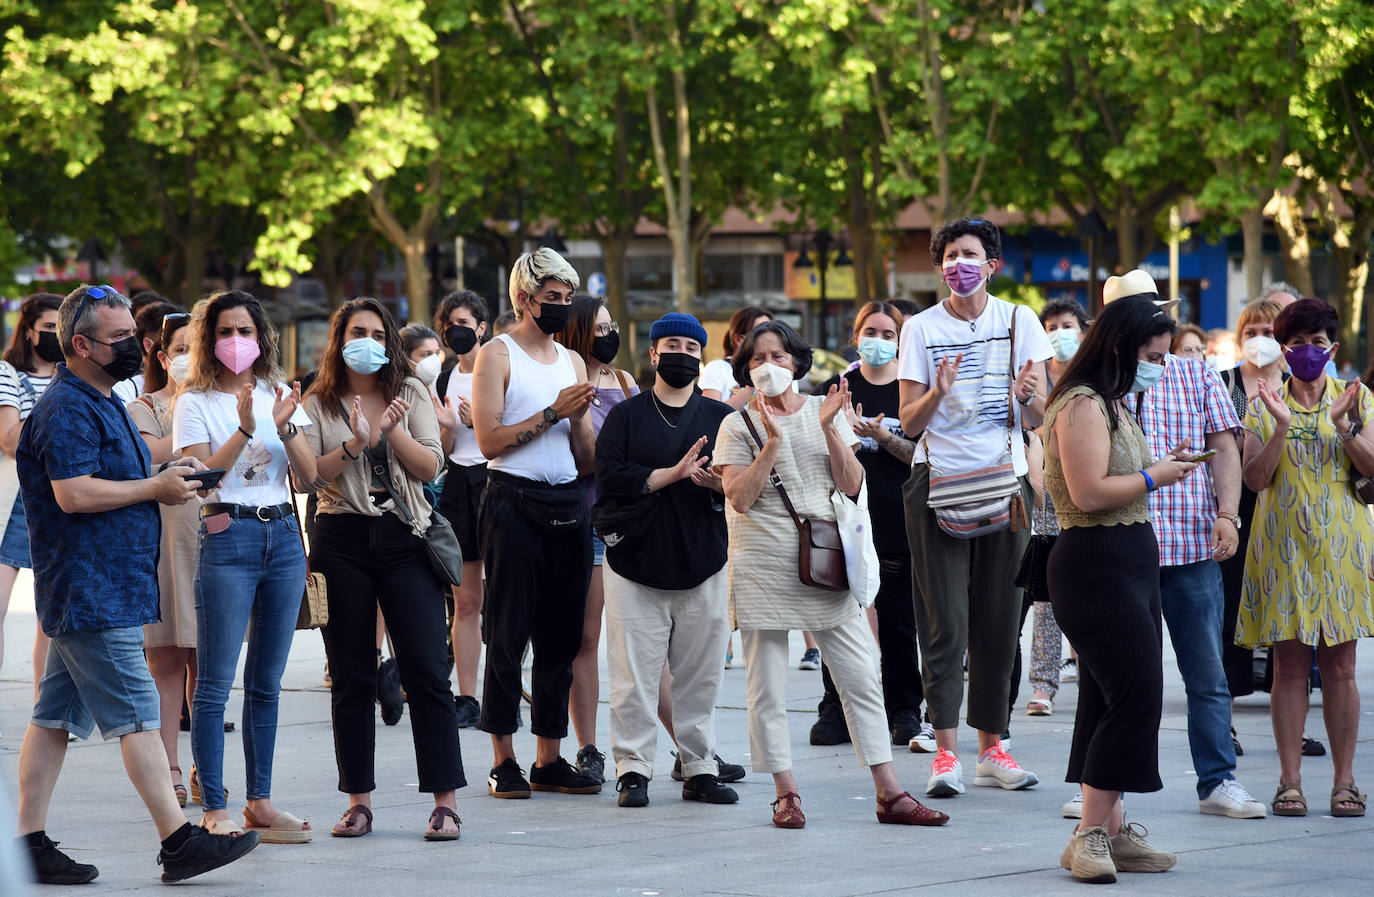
998	843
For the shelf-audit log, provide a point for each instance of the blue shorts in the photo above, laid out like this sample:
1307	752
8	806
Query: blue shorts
598	550
14	547
97	677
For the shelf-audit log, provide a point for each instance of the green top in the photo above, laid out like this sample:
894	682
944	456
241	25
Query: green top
1130	452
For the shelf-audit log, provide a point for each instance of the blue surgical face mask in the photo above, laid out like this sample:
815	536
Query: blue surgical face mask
877	352
1064	342
364	355
1147	374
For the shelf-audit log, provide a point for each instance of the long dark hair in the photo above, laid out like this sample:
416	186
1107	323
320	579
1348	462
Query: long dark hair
148	326
1107	359
205	367
21	350
332	380
154	374
581	329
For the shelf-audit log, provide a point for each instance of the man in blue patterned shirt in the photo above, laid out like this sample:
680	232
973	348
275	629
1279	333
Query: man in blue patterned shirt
91	497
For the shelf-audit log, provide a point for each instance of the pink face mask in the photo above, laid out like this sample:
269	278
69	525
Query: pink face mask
237	353
963	276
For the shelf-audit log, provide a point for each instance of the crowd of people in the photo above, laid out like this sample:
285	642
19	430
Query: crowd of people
1101	475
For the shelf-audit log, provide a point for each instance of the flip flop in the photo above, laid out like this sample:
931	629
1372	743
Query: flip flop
285	829
344	827
436	819
1043	707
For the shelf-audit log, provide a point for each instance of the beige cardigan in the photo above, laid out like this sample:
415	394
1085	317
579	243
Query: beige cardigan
348	494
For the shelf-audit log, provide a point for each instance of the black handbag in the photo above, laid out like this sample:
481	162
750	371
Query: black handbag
820	554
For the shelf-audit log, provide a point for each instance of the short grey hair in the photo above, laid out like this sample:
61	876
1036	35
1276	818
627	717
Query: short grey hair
67	324
533	269
1279	286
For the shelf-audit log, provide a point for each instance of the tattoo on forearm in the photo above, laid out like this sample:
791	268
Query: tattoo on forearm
901	449
526	436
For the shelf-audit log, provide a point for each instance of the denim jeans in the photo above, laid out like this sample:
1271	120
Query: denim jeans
250	577
1192	598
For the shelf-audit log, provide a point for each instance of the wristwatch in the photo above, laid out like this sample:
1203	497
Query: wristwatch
550	415
1027	400
1234	518
1352	432
290	433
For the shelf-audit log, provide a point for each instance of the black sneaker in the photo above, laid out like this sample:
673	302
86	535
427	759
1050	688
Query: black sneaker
203	852
508	781
634	790
708	789
389	692
728	772
830	728
592	763
905	725
469	711
53	867
561	777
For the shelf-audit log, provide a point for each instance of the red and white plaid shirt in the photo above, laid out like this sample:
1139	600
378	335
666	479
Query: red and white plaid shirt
1188	403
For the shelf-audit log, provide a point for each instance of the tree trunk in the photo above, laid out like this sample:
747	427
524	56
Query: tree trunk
1292	230
195	246
1128	231
1352	274
1252	233
860	223
417	279
614	249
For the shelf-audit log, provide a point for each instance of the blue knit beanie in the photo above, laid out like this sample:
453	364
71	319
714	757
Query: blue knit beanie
675	323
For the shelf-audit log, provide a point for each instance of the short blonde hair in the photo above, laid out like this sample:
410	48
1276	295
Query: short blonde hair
533	269
1261	311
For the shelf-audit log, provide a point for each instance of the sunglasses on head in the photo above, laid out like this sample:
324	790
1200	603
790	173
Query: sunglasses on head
97	292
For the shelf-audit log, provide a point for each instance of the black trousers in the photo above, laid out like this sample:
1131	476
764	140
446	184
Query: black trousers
537	553
1104	586
896	640
371	561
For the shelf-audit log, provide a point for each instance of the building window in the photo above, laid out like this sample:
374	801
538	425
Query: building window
649	272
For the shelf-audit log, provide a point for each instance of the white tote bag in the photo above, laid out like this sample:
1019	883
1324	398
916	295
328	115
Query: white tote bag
856	536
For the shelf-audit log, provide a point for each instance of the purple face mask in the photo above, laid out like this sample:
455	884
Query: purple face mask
1307	362
963	276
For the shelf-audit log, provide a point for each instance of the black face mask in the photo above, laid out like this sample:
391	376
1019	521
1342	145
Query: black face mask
604	348
678	369
460	339
128	358
48	348
553	318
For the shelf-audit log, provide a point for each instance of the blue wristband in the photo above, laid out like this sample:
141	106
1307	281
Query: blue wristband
1149	483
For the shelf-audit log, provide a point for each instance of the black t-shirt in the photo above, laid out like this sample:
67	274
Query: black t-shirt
686	541
886	474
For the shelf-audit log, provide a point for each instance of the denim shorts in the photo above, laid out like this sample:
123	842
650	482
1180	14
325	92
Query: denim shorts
97	677
14	547
598	549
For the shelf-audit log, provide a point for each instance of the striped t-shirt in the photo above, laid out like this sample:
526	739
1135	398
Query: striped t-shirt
19	389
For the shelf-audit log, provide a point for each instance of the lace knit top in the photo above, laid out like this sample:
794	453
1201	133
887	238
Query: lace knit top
1130	452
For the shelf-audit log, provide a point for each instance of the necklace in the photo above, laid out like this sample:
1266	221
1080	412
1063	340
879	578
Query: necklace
661	415
972	322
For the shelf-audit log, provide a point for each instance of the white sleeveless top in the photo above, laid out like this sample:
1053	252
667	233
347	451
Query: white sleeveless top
465	451
533	387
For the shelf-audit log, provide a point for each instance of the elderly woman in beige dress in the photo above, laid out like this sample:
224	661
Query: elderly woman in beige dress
808	442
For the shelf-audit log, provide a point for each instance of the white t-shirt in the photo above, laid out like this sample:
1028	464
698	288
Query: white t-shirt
969	429
259	475
465	450
128	390
718	375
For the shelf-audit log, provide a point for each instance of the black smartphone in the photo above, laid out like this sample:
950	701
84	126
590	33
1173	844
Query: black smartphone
208	479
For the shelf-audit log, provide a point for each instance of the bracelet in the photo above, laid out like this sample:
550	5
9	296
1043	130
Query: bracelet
246	433
350	455
1027	400
1149	482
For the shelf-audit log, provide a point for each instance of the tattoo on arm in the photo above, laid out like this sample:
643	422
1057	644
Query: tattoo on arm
525	437
901	449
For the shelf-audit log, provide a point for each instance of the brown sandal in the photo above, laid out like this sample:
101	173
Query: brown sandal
1346	793
179	788
787	812
345	827
921	815
436	819
1291	795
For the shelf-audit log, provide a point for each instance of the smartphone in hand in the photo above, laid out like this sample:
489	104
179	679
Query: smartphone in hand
208	479
1203	456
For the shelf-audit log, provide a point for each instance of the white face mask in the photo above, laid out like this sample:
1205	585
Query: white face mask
1261	351
427	368
179	368
771	379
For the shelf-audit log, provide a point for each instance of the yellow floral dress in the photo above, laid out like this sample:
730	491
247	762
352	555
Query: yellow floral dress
1309	573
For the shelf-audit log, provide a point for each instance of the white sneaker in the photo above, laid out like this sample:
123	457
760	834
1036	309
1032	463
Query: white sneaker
1231	799
996	768
1068	670
1074	808
946	775
923	742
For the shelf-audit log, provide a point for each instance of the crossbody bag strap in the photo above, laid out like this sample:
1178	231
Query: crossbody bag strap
624	384
380	472
1011	391
773	474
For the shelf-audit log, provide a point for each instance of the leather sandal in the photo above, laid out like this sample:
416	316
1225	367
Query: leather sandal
1346	793
920	815
285	829
180	789
1292	795
436	819
787	812
346	826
